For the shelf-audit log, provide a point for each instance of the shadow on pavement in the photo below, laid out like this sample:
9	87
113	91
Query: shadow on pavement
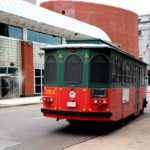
96	128
88	128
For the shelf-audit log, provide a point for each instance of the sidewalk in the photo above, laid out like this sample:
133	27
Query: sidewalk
20	101
134	136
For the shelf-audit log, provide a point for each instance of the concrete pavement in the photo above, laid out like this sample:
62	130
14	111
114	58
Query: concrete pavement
20	101
134	136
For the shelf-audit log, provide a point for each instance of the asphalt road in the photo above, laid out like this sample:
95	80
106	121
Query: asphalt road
24	128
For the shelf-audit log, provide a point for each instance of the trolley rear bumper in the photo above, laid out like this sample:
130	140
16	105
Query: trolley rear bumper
76	113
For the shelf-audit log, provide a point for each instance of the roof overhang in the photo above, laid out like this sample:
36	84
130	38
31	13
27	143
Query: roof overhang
24	14
68	46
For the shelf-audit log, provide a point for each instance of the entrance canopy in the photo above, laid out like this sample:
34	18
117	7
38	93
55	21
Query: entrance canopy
24	14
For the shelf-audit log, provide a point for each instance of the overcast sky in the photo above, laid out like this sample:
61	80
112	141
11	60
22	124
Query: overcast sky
140	7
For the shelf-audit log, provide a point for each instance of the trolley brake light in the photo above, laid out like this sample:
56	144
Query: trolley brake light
48	100
100	102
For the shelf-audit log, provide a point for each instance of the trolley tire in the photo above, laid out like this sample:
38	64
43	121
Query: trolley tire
142	111
121	123
144	106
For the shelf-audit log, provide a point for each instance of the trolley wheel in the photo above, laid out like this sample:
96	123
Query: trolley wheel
121	123
144	106
142	110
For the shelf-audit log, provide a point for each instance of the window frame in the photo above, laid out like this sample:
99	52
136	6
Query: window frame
41	85
52	39
7	31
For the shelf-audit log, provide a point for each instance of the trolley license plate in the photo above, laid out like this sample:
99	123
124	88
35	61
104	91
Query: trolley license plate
71	104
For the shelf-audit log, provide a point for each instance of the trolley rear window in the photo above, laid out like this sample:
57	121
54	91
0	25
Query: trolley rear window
73	69
51	69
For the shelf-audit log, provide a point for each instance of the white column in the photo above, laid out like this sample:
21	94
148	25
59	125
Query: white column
25	34
63	40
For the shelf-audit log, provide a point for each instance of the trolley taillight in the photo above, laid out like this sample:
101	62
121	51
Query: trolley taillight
48	100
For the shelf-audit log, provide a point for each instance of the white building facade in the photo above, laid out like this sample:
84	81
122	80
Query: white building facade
24	29
144	41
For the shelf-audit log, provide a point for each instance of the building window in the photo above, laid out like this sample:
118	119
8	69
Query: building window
140	32
55	40
3	29
139	20
38	81
43	38
13	71
15	32
11	31
63	12
33	36
3	70
10	70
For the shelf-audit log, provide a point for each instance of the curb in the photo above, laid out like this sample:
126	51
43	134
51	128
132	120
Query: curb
14	105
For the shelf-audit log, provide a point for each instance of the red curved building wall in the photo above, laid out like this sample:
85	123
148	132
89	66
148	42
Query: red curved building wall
121	25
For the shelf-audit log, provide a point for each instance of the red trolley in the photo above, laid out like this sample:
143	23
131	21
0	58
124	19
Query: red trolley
92	80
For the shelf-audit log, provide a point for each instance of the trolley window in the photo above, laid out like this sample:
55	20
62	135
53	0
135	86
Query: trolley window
99	69
73	69
51	69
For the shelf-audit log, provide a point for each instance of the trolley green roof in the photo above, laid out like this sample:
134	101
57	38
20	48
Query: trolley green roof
91	44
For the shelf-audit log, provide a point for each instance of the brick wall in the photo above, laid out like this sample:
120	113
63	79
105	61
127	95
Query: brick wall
27	69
